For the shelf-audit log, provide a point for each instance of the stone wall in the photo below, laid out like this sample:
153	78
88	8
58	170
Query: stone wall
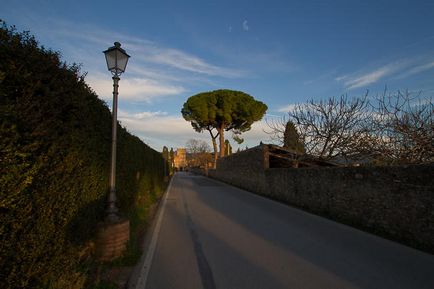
245	169
394	202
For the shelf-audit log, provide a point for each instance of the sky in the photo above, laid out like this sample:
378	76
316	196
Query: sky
280	52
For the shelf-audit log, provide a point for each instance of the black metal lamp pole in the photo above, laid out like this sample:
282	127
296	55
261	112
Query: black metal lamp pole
117	60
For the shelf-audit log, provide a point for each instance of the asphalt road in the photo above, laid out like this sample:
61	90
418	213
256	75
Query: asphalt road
210	235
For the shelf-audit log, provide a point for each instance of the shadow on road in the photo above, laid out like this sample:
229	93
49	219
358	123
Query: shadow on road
363	260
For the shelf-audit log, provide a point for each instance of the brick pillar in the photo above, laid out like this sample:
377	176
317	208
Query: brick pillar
111	239
266	156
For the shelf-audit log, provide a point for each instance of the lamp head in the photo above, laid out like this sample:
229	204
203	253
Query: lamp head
116	59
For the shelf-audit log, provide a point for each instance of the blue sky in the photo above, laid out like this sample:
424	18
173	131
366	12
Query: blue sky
280	52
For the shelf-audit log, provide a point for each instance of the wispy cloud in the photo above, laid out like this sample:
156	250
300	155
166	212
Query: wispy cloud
149	114
154	70
141	115
143	49
323	77
362	80
287	108
245	26
395	70
133	89
416	70
84	43
184	61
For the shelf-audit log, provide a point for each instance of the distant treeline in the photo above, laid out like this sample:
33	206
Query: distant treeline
54	153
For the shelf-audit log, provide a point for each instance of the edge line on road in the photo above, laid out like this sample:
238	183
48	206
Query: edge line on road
143	275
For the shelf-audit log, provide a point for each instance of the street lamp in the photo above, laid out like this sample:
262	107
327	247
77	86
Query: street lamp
117	60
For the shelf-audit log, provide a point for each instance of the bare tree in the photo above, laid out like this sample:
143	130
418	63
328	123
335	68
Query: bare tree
391	128
402	128
328	128
198	153
197	146
276	129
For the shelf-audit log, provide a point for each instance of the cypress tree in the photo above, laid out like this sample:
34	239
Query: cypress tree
291	138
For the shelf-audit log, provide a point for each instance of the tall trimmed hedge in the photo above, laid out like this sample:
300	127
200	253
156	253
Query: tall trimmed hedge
54	152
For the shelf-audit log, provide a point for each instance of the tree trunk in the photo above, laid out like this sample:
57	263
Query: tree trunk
222	140
214	145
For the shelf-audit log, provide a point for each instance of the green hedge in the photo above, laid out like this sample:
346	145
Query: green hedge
54	153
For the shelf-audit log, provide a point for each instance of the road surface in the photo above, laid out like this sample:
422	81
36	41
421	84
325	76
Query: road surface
211	235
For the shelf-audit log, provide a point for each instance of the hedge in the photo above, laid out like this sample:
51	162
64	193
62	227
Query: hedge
54	151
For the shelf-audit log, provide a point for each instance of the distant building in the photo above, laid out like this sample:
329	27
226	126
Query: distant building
180	160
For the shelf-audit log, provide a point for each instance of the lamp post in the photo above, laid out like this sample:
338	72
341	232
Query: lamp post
117	60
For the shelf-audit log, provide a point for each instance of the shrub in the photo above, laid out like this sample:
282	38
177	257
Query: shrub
54	154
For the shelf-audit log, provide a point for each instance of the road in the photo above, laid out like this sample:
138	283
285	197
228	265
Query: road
211	235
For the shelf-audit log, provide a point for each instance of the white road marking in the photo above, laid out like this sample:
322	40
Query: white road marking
143	276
